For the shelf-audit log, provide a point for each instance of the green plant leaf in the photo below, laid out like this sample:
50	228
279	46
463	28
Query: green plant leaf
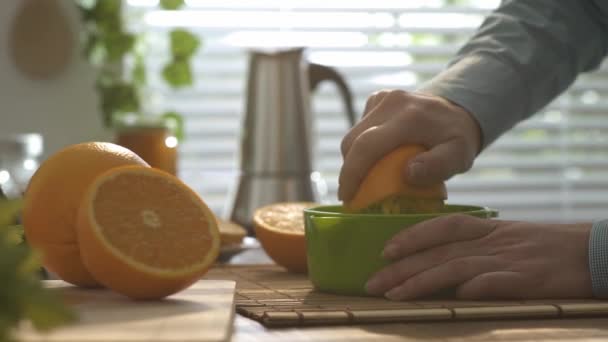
109	74
91	43
22	295
139	71
175	122
178	74
46	311
31	264
171	4
117	45
183	43
86	12
106	43
14	234
104	9
118	98
9	211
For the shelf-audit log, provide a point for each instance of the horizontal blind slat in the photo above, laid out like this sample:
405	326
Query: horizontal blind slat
553	166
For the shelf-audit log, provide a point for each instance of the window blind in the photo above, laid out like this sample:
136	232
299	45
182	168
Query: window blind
552	167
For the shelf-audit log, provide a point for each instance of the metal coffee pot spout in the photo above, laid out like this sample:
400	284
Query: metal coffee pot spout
276	141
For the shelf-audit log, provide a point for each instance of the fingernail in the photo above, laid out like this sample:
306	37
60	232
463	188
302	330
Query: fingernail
393	294
373	286
390	252
415	170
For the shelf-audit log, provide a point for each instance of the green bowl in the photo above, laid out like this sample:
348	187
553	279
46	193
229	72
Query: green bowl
344	250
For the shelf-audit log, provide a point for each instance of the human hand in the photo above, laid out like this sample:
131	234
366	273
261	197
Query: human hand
483	258
394	118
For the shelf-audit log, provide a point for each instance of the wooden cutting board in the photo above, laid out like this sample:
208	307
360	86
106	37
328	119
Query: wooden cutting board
203	312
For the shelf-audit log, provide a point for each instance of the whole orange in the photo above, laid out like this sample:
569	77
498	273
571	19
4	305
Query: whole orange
144	233
52	200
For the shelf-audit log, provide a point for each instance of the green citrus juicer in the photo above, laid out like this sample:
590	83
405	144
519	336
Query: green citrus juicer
344	249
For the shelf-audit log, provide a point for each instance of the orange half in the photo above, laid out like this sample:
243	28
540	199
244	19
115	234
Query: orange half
144	233
385	180
280	229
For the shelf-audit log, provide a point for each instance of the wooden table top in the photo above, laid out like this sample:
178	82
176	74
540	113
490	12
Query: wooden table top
587	330
579	329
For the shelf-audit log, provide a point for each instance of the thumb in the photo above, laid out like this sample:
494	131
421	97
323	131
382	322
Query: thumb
438	164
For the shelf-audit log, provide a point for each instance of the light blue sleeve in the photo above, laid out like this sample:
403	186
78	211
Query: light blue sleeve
524	54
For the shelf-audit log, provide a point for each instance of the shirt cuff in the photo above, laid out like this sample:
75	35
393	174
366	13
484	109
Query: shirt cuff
598	258
491	90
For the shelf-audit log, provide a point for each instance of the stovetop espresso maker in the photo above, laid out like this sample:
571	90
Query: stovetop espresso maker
276	140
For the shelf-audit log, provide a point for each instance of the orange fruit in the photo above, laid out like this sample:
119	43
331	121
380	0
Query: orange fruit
231	233
384	188
52	199
280	229
144	233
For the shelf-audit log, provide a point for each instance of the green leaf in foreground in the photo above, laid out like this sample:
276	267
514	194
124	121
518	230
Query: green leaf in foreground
171	4
22	295
9	211
14	234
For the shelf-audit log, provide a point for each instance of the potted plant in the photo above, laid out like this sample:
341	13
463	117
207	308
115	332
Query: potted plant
118	57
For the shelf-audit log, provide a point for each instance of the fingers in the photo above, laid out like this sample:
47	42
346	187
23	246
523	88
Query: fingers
378	134
371	145
374	100
439	231
439	163
449	274
398	272
367	121
450	131
503	284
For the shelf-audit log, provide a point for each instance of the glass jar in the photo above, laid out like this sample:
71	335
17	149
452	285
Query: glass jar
153	143
19	159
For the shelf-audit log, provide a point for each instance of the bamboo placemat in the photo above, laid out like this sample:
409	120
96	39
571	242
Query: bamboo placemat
274	297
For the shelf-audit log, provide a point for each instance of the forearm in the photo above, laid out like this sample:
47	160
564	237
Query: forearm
524	54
